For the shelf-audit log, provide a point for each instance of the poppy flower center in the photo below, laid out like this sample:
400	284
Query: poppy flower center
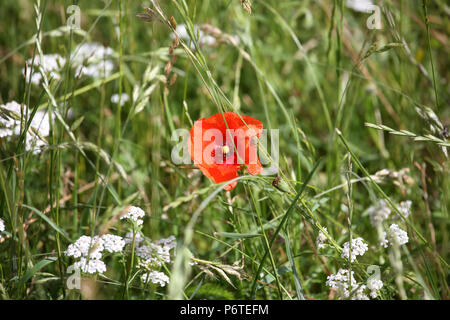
223	153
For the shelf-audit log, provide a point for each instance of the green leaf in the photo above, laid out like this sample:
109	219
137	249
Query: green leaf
297	281
49	221
32	271
234	235
77	123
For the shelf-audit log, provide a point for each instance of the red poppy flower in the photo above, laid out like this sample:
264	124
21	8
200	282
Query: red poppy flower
223	143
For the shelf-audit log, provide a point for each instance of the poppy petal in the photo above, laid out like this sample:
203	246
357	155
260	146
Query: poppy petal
254	169
204	145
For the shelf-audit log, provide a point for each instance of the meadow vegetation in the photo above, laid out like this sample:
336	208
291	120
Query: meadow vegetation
92	205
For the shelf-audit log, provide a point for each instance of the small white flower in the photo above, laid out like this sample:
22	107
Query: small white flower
384	242
359	294
113	243
51	64
169	242
397	235
135	214
39	127
137	239
155	253
405	208
124	98
155	277
342	282
163	252
144	252
358	249
148	264
101	69
86	246
91	52
93	60
91	266
379	212
89	251
374	285
341	279
394	235
321	240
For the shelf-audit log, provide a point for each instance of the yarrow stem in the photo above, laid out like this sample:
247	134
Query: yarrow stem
130	264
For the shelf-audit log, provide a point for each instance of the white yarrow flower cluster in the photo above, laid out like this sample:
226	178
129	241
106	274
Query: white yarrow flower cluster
394	235
342	282
155	277
93	60
51	64
137	239
321	240
39	127
405	208
374	285
134	214
89	251
86	246
113	243
359	247
91	266
152	255
168	242
384	242
156	253
379	212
